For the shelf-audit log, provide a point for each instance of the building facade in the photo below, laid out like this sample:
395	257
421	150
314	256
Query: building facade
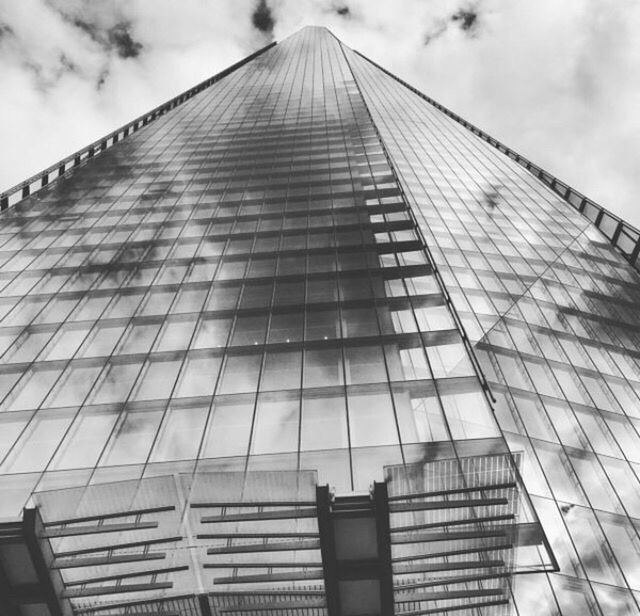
306	273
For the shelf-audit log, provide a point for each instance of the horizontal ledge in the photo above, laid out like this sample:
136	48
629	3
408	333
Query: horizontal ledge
121	576
276	605
274	546
261	565
450	566
285	514
256	504
120	546
445	523
455	608
101	561
258	536
447	595
426	537
292	576
498	486
460	552
108	516
452	504
97	529
71	593
450	581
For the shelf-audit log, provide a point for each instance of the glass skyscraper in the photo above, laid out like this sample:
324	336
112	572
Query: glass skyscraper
304	273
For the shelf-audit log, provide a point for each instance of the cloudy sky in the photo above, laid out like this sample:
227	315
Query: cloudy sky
559	81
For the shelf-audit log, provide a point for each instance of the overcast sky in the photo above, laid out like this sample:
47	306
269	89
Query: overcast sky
557	80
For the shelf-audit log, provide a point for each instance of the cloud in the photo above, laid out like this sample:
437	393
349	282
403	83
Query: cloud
120	38
262	18
467	19
554	80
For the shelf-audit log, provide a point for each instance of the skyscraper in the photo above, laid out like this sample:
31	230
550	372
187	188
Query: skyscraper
301	341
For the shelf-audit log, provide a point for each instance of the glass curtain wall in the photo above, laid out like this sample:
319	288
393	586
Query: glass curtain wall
553	311
238	286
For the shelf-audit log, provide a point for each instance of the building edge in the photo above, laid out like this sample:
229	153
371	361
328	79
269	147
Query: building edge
624	237
59	169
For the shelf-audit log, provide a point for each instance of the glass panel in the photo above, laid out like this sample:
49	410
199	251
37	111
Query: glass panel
372	419
38	442
199	375
276	424
240	374
324	422
156	380
281	370
133	437
83	443
230	427
180	434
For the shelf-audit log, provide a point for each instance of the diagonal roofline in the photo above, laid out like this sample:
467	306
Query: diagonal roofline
623	236
62	167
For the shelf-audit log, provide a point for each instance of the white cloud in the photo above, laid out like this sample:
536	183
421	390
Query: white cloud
557	81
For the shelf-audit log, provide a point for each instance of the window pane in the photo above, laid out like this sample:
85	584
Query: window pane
240	374
322	367
371	419
85	440
176	334
365	365
38	442
133	437
157	380
324	422
281	370
115	383
199	375
32	388
276	425
101	340
139	338
212	333
180	434
74	385
230	428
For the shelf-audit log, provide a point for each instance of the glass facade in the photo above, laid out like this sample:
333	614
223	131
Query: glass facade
552	309
307	267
